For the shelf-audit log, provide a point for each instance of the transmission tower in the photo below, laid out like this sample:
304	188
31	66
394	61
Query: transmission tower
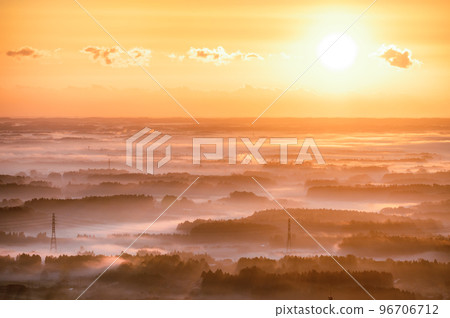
53	239
289	239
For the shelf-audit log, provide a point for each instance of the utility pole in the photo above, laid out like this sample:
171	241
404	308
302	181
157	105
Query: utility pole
53	239
289	239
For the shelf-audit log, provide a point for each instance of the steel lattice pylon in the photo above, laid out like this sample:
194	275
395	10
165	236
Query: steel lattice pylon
53	239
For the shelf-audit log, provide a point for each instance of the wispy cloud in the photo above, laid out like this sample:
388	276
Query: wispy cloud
217	56
173	56
115	57
396	56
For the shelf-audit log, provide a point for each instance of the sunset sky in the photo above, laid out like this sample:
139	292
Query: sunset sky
224	58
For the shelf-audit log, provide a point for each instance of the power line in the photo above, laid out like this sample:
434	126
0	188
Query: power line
289	239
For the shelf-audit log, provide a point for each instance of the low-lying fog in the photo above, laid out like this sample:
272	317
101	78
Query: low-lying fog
383	194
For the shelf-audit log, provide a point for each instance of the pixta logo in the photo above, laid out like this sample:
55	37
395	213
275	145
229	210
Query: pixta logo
145	140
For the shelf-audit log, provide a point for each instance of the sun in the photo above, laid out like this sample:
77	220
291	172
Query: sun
341	55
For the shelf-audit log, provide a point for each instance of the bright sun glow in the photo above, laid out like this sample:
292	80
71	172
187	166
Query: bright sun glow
341	55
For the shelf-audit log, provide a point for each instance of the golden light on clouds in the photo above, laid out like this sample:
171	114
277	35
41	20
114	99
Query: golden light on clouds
395	56
115	57
32	53
216	49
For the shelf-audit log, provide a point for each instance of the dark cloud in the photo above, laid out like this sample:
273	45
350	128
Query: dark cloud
396	57
29	52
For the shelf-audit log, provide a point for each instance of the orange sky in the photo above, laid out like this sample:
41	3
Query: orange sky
222	59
